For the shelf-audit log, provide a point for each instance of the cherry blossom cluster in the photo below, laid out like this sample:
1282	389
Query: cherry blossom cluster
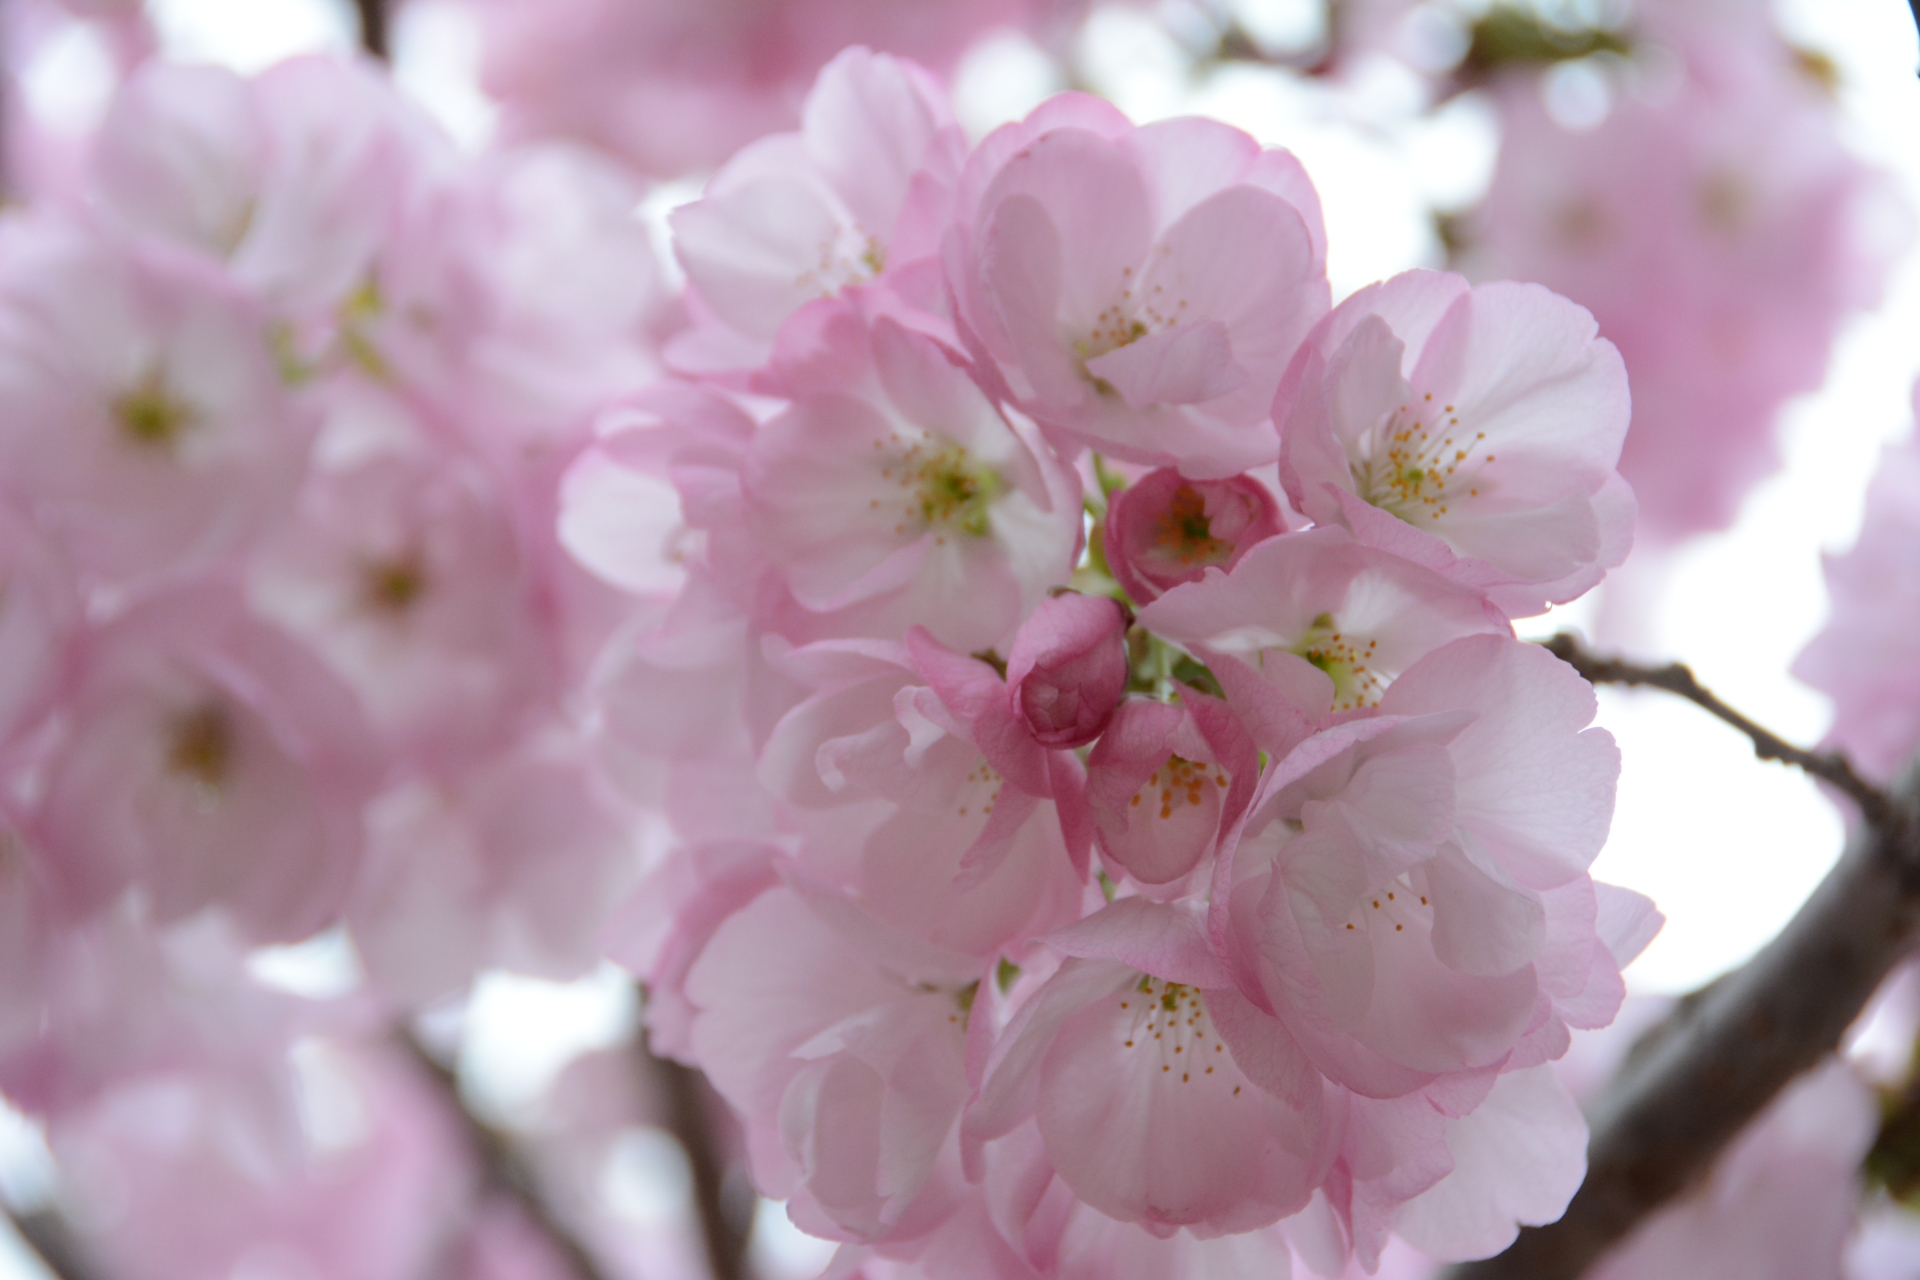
292	644
1701	205
1117	831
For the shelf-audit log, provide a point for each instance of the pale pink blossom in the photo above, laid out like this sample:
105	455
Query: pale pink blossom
1164	783
1164	529
971	835
1472	430
1148	1105
1867	657
1412	902
516	866
405	572
112	999
676	86
892	492
341	1163
1138	291
207	759
843	1045
1716	227
518	296
40	607
861	193
292	179
145	425
1311	623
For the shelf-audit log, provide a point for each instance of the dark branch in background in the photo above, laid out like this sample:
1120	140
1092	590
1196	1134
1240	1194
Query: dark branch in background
1694	1082
505	1170
1829	766
47	1234
373	27
1916	13
690	1109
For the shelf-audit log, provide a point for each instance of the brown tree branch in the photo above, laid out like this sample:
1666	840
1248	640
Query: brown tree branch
47	1234
373	27
1694	1082
1830	767
505	1169
690	1108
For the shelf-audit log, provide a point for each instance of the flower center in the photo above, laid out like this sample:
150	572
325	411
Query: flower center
948	490
1179	783
152	416
1415	470
1347	662
1392	908
1171	1019
394	586
200	749
1184	533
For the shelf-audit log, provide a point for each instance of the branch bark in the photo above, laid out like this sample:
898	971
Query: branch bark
47	1234
373	27
1676	678
725	1227
1694	1082
506	1170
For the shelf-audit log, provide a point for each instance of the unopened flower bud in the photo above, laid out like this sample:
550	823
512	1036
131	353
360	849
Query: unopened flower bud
1165	529
1068	669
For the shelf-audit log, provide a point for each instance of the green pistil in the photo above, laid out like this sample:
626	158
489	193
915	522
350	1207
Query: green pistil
395	585
152	416
956	493
1184	532
1345	659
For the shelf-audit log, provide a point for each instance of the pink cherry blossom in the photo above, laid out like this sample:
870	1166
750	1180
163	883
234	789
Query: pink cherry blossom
844	1048
893	491
1866	658
979	842
1164	783
1144	1103
145	423
1717	229
514	868
209	1169
39	609
863	191
1067	669
1164	529
1411	909
114	1000
207	759
1138	290
1472	430
405	572
1325	622
291	179
675	86
518	296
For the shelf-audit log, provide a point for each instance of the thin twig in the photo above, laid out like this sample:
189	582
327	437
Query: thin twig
690	1113
1726	1052
1676	678
505	1169
373	27
47	1234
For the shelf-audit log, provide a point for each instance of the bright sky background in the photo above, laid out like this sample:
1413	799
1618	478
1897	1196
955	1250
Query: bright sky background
1726	845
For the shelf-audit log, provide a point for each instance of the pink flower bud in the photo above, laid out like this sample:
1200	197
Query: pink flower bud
1068	669
1164	529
